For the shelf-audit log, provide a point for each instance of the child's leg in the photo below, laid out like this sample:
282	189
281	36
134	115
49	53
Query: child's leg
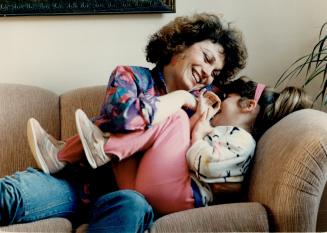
45	148
126	144
123	146
73	150
163	175
120	145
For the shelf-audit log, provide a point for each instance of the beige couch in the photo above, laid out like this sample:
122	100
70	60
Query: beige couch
285	187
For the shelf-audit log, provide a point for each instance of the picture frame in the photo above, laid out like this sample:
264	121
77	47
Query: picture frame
84	7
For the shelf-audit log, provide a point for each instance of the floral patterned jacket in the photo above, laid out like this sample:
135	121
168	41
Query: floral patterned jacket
130	99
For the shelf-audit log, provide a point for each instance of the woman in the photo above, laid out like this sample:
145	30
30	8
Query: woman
189	53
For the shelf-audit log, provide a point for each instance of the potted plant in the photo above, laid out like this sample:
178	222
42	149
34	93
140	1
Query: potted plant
313	66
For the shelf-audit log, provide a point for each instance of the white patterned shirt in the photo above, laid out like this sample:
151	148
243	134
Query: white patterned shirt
221	156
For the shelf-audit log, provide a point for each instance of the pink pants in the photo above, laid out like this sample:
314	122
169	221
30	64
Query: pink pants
161	174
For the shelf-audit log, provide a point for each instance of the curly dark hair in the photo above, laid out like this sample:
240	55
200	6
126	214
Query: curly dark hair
183	32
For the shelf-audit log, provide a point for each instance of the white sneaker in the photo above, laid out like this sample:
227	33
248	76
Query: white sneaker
93	140
44	147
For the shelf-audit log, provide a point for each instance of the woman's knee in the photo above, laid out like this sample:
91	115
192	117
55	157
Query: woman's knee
126	208
129	199
11	204
32	195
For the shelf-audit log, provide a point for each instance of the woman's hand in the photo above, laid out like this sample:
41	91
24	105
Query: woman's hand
221	188
170	103
190	101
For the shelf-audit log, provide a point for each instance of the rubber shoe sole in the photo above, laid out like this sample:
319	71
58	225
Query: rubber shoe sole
32	124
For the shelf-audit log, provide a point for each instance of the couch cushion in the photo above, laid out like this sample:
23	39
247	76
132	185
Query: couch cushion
236	217
47	225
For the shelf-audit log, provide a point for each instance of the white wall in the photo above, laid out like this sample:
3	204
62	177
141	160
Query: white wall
64	52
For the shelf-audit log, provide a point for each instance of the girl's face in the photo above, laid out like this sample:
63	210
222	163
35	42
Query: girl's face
195	67
229	112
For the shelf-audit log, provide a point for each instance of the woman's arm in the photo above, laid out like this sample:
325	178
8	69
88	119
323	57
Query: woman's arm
168	104
131	101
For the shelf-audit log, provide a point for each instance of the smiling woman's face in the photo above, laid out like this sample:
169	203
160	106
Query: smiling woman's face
195	67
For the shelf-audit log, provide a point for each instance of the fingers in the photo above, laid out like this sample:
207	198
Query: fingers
212	102
205	116
201	102
208	103
212	97
201	96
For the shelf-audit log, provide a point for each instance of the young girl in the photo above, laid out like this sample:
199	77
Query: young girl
218	150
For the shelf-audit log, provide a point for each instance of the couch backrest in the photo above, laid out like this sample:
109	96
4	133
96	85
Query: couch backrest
17	104
89	99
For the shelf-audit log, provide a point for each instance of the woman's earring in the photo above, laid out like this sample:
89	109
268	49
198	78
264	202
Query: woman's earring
173	60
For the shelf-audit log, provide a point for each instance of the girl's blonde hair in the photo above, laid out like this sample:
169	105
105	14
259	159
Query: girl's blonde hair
273	105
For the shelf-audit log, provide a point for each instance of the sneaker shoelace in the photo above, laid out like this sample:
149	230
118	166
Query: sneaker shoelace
97	144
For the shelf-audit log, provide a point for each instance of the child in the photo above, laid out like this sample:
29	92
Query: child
220	149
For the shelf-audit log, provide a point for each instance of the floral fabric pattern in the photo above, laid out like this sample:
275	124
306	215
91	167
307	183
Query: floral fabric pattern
130	101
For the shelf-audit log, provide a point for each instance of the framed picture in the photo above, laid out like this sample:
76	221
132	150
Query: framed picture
83	7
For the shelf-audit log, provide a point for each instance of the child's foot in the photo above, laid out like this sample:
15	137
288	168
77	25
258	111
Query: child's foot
93	140
44	147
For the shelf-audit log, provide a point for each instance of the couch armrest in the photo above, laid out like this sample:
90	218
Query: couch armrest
290	171
219	218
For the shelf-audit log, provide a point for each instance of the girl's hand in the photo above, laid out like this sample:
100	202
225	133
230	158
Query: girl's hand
225	188
208	101
201	127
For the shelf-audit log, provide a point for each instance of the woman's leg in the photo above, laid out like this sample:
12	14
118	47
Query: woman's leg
121	211
32	195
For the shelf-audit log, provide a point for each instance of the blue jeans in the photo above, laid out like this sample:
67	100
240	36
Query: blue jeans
32	195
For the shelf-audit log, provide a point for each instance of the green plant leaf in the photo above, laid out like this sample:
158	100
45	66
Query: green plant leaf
323	96
321	48
314	74
287	73
322	29
313	66
324	75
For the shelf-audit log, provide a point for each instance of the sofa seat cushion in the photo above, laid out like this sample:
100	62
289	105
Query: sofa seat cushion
61	225
235	217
